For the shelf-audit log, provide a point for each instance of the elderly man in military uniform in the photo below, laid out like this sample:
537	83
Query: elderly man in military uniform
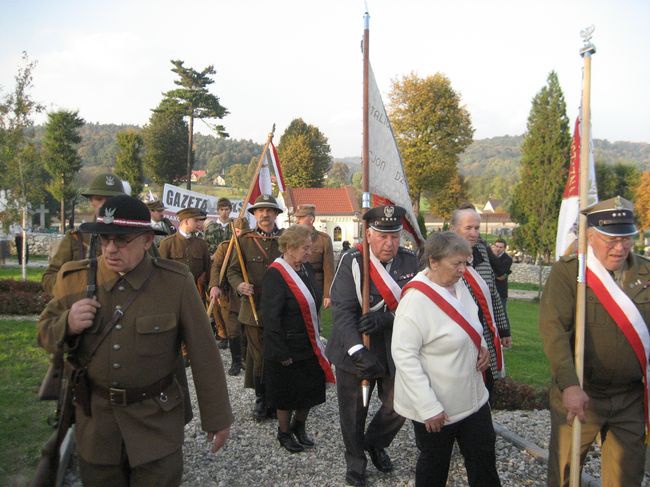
259	248
129	410
392	267
74	245
322	253
219	230
229	300
159	221
612	400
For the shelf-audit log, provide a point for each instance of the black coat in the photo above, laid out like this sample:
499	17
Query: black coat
285	333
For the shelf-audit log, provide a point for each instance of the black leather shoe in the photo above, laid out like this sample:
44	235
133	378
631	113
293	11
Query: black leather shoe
380	459
298	430
260	408
289	443
356	479
223	344
235	368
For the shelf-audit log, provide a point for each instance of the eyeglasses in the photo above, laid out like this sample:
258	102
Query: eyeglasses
120	241
626	242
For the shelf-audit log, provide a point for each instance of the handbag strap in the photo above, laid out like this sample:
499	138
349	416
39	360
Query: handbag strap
116	317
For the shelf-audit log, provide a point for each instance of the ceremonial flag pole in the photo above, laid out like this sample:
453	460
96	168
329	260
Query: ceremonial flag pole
586	52
365	203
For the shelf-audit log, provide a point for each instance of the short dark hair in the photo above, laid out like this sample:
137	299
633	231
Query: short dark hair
500	240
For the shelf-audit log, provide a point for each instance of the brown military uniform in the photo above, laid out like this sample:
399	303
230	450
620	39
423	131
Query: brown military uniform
612	375
229	301
322	260
142	349
73	246
258	252
193	252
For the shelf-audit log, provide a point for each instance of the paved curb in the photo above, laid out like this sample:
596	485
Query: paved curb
540	455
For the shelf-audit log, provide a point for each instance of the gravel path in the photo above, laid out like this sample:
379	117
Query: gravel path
253	457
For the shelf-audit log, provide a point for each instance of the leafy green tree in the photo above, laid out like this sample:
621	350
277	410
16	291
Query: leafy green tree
194	100
616	180
21	172
339	175
165	146
304	154
128	162
642	203
443	203
432	129
60	156
544	162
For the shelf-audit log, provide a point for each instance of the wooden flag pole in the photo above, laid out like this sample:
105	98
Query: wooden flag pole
586	52
365	289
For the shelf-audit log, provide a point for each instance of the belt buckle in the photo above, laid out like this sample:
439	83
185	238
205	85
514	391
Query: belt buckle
117	397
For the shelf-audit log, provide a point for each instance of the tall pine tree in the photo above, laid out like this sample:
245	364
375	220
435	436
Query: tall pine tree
165	143
128	162
544	163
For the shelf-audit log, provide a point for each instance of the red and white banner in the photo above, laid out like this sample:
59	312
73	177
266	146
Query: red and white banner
309	314
626	315
567	225
277	170
449	304
386	285
481	291
387	181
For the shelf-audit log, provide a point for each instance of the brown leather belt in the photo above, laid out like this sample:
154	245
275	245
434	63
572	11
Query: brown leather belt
124	397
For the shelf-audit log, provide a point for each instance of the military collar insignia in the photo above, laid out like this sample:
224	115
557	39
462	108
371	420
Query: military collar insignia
109	215
110	180
389	211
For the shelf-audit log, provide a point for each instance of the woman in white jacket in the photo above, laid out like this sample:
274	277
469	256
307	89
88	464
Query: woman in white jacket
440	354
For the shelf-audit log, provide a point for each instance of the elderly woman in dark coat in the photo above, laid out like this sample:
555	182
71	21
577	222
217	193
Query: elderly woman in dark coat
295	367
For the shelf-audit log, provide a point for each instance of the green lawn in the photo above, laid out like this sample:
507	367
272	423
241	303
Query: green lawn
23	426
523	286
15	272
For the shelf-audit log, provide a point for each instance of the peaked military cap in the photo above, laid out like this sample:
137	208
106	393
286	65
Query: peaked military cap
614	217
186	213
386	218
155	205
105	184
265	201
305	210
121	215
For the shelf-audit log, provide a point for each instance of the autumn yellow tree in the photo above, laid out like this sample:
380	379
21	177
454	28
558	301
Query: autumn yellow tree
642	202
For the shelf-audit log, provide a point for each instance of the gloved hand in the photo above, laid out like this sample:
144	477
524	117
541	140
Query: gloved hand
375	321
368	366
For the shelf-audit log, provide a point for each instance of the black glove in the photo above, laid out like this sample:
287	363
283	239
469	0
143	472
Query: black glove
368	366
375	321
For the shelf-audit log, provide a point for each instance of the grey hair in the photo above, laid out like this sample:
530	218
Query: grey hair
293	237
444	244
458	214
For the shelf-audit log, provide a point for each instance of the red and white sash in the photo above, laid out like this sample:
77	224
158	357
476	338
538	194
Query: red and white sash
481	291
626	315
309	314
385	284
449	304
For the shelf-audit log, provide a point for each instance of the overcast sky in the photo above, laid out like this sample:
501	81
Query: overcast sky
283	59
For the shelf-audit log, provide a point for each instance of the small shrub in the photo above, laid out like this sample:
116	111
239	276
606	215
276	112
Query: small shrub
21	297
511	395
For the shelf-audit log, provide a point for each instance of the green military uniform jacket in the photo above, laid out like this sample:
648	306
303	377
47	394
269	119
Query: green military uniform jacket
322	261
73	246
610	366
258	253
215	233
141	349
193	252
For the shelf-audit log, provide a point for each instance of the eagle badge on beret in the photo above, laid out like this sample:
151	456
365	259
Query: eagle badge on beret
109	215
110	180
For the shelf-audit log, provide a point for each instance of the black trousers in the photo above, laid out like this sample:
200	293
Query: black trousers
385	424
476	438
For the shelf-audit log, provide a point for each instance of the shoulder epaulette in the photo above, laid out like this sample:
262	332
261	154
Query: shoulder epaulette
404	250
171	265
74	266
247	232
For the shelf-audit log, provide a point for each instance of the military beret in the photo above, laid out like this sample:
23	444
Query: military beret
265	201
305	210
386	218
614	217
186	213
121	215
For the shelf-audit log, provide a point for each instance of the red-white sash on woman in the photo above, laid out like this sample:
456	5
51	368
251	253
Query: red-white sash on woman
449	304
385	284
308	310
481	291
626	316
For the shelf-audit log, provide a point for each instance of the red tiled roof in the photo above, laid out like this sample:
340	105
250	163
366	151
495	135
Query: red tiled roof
328	201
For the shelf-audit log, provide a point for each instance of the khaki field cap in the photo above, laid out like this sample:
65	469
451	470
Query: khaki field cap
186	213
385	218
121	215
614	217
155	205
105	184
265	201
305	210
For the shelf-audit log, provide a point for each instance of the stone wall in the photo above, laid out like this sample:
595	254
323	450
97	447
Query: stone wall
38	243
528	273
